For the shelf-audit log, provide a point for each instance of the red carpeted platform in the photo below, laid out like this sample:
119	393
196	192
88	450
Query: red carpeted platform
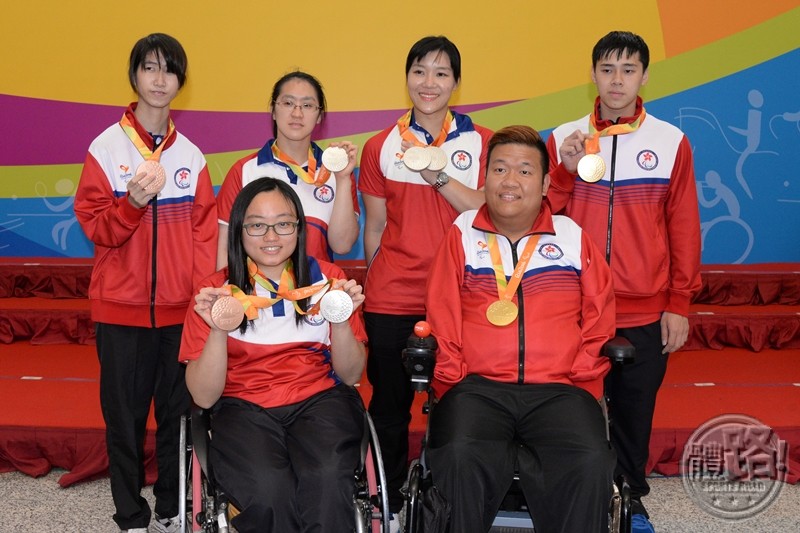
703	384
743	356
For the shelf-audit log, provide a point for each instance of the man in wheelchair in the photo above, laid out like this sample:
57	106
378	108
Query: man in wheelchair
521	304
287	424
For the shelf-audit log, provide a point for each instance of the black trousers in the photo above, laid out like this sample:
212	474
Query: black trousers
631	391
289	469
555	434
392	396
139	366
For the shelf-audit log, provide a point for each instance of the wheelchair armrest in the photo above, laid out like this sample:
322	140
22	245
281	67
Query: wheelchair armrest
619	350
201	425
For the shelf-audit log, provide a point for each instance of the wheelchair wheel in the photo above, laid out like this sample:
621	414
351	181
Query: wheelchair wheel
201	507
414	498
619	512
370	505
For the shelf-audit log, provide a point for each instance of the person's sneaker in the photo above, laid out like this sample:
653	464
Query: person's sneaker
134	530
165	525
640	524
394	523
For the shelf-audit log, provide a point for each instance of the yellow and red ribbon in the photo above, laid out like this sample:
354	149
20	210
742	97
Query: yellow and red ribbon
138	142
593	141
404	125
306	176
506	289
286	291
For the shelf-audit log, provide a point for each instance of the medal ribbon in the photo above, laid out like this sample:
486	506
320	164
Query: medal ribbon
307	177
506	290
593	142
138	142
404	126
286	291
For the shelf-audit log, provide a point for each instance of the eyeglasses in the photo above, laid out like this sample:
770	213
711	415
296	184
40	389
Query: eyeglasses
290	105
259	229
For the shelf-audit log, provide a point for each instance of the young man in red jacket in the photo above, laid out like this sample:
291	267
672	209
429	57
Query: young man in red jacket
627	177
520	302
145	200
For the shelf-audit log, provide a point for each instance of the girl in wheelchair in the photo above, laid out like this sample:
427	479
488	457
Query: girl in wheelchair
287	424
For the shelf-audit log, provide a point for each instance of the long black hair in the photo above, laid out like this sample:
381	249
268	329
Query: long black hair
237	258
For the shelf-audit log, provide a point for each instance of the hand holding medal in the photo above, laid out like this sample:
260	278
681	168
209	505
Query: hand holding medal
338	304
334	158
155	173
592	167
227	313
219	308
340	158
155	177
419	158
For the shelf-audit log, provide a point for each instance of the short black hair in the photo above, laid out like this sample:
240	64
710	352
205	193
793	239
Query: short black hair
166	47
435	43
524	135
620	42
297	75
238	273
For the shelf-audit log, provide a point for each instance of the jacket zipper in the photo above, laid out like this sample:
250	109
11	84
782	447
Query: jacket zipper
611	198
153	265
520	319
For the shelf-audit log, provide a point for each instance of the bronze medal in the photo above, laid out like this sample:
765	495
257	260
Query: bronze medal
591	168
153	169
502	312
227	313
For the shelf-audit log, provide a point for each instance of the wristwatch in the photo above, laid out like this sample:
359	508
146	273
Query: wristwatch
441	180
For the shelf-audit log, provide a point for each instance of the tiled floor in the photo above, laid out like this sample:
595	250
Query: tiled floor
42	506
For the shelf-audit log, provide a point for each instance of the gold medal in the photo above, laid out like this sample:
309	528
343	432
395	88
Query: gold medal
227	313
417	158
591	168
502	312
438	158
335	158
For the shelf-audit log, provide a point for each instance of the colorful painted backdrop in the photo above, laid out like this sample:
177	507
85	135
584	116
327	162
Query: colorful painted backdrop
725	72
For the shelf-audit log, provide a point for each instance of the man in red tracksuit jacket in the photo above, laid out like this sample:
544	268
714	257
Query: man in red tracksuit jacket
521	304
151	248
645	202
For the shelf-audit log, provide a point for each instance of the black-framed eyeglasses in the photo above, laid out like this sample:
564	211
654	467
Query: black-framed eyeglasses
259	229
290	105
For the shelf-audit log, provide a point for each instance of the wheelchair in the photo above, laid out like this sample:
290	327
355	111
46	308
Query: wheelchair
204	507
419	359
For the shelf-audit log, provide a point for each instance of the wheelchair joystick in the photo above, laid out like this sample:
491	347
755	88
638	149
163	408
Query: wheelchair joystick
419	356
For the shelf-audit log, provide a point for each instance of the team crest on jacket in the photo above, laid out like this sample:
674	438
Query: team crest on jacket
551	251
461	159
183	178
647	159
324	194
313	320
